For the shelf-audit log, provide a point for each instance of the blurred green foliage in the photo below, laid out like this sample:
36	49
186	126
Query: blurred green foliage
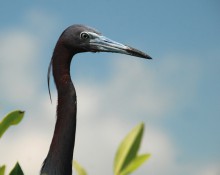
79	169
2	170
13	118
127	159
16	170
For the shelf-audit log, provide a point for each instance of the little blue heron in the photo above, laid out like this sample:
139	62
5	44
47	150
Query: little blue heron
75	39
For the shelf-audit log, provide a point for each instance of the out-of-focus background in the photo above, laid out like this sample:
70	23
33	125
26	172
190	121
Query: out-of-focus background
176	94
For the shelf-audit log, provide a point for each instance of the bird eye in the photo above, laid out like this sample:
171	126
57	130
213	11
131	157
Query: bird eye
84	36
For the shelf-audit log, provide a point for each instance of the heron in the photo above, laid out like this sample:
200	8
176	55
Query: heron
75	39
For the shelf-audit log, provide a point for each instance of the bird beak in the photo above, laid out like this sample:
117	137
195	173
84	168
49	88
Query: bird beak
104	44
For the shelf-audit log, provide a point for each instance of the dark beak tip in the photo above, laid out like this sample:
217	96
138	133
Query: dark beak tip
145	56
138	53
148	57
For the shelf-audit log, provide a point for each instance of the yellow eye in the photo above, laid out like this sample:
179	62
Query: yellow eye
84	36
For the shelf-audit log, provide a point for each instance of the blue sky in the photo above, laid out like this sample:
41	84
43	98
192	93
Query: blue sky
176	94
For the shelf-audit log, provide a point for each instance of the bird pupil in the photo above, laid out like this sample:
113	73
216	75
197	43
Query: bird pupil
85	36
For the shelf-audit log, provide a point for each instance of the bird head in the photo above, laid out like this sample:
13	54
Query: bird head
86	39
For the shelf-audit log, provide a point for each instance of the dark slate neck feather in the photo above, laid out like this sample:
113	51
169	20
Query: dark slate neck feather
59	158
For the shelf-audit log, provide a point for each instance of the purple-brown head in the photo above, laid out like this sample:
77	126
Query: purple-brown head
85	39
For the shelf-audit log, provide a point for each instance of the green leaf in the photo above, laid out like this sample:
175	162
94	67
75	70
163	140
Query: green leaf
2	170
135	163
12	118
79	169
128	149
16	170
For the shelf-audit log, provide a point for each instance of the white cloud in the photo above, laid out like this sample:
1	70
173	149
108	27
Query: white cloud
163	151
18	51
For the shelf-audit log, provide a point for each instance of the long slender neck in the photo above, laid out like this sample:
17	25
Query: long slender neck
59	158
